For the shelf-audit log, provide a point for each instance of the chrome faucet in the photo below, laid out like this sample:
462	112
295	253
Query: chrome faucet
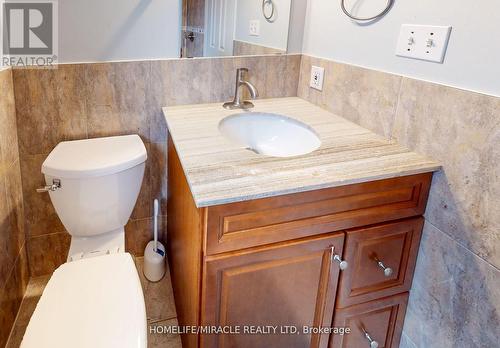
237	103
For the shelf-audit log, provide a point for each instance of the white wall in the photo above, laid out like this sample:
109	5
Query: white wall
472	60
296	27
104	30
274	34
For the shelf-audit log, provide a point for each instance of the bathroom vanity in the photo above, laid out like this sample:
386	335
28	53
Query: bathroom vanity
327	239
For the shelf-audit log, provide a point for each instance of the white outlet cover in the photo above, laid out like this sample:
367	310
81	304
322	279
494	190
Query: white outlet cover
317	76
425	42
254	27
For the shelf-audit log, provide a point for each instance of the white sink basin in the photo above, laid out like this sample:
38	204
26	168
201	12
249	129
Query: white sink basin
270	134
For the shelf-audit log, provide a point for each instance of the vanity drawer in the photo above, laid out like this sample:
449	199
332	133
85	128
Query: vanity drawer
262	221
381	261
382	320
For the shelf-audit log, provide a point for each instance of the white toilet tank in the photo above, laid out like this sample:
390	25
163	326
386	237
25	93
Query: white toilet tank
100	180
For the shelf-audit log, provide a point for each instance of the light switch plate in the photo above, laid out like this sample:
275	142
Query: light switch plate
425	42
317	76
254	27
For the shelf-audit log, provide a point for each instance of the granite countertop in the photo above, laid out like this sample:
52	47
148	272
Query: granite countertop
219	171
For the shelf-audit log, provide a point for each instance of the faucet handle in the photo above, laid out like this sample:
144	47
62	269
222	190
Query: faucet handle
239	74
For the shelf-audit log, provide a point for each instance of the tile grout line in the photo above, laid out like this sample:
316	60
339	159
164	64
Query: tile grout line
396	109
463	246
409	339
155	321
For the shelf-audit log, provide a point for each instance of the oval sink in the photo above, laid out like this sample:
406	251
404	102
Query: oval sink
270	134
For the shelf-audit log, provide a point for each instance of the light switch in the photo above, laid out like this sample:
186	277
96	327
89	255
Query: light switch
254	27
426	42
317	76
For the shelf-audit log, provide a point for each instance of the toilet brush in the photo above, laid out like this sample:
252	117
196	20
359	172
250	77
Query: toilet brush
154	254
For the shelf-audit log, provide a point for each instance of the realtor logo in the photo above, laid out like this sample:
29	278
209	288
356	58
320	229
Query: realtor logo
29	33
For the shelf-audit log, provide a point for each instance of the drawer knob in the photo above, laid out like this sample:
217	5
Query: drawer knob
373	343
387	270
334	257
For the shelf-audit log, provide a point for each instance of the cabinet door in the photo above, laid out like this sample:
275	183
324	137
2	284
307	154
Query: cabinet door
378	321
290	284
381	261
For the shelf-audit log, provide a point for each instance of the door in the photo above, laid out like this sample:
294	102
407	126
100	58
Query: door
219	27
276	289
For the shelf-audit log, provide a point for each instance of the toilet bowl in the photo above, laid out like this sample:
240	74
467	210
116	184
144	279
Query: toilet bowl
95	299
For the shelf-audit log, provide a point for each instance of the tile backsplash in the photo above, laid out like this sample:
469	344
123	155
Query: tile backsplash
455	299
14	273
77	101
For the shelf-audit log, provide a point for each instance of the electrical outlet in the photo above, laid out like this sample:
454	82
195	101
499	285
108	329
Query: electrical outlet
426	42
254	27
317	75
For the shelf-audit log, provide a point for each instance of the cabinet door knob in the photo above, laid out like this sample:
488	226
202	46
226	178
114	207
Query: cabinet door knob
334	257
387	270
373	343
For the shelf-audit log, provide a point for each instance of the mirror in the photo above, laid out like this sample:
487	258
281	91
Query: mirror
213	28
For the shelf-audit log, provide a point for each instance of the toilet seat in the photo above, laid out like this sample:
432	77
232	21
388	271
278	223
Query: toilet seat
95	302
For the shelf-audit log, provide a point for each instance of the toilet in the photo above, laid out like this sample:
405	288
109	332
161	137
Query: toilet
95	299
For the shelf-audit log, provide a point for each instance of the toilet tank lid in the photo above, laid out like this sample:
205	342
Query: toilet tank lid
96	302
94	157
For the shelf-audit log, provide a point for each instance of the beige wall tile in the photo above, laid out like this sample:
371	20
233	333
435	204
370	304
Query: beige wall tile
222	79
14	271
242	48
50	106
14	196
461	130
184	81
116	98
293	64
6	259
8	128
156	97
47	252
12	236
366	97
139	232
11	295
455	298
276	77
158	173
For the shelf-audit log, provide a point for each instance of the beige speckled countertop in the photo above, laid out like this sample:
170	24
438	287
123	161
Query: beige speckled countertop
219	171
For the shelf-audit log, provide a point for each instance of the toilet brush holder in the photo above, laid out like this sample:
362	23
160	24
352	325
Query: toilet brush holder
154	261
154	255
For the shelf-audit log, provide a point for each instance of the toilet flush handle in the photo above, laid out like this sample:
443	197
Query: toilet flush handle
56	184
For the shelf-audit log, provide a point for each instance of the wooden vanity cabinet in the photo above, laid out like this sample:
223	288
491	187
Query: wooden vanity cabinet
271	261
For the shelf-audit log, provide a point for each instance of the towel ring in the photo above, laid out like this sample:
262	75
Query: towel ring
364	19
270	17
